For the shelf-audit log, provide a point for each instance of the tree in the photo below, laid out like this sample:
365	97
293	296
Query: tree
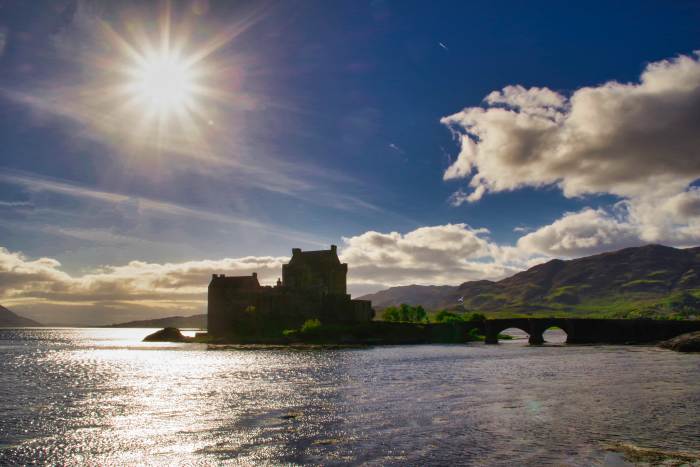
420	314
390	314
310	325
444	316
405	312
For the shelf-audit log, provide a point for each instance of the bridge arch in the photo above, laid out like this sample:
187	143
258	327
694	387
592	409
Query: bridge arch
535	328
553	337
505	329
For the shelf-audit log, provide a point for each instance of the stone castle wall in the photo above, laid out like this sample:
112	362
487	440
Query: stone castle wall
313	287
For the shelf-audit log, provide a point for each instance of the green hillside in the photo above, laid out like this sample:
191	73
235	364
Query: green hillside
649	281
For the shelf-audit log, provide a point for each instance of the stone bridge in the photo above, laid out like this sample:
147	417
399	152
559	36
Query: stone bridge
593	331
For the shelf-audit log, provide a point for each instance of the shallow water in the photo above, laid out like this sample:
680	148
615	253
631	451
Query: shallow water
101	397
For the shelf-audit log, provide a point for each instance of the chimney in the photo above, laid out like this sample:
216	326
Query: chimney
255	275
334	249
296	251
214	276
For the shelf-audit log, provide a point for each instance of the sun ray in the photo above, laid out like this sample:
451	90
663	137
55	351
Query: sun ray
160	84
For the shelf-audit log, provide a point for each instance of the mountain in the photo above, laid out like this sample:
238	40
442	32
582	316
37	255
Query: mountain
430	296
194	321
642	281
10	319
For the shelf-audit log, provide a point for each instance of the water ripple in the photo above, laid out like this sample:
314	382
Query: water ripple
101	397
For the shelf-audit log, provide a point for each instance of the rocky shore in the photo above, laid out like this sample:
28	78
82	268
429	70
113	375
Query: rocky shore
689	342
169	334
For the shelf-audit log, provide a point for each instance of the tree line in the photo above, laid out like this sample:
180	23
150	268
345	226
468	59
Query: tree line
416	314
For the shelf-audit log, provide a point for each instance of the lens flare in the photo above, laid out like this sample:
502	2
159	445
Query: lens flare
164	84
161	88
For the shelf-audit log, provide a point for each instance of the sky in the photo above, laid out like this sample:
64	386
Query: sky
146	146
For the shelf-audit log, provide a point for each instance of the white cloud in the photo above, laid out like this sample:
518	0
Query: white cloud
443	254
535	101
16	204
624	139
671	221
152	289
684	205
459	197
582	233
41	289
639	141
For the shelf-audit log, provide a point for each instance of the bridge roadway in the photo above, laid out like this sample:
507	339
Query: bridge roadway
593	331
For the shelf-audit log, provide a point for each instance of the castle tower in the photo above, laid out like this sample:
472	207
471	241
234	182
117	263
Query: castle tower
319	270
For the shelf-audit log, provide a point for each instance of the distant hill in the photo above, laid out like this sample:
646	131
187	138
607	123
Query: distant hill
650	281
430	296
194	321
8	318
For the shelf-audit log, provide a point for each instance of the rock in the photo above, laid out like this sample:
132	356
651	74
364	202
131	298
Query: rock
167	335
689	342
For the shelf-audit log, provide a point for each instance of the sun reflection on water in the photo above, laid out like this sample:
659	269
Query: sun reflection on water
100	396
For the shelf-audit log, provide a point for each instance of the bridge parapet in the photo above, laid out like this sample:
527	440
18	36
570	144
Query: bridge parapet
592	331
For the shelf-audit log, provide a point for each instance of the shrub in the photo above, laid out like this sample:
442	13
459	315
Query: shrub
444	316
310	325
474	335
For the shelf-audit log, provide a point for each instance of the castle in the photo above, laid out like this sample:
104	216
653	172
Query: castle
313	285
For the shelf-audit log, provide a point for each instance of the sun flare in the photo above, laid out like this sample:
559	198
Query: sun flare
164	84
158	84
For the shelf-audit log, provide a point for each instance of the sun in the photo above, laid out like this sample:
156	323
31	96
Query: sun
163	83
167	82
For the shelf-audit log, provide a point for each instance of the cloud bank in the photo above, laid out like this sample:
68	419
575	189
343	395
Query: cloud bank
623	139
109	294
637	141
43	290
443	254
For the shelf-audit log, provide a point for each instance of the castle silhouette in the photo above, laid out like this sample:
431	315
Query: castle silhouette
313	285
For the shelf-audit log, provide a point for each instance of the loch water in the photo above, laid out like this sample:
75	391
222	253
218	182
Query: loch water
80	396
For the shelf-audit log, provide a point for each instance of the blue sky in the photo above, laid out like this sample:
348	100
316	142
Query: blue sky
325	127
